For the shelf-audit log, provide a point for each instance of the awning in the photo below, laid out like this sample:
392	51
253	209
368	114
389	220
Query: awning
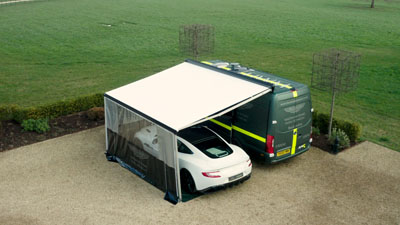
186	94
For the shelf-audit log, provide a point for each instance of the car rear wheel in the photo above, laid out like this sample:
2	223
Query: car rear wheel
187	182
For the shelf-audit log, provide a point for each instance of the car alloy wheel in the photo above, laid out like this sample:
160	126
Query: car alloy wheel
188	182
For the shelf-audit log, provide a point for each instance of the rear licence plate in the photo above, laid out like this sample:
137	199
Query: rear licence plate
235	177
284	152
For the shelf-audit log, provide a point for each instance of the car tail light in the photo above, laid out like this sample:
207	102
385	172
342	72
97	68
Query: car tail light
270	145
249	161
211	174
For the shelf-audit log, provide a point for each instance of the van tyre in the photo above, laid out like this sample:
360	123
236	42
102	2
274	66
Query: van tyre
187	182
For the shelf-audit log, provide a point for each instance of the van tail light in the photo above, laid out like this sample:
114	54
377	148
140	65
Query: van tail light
211	174
270	146
249	161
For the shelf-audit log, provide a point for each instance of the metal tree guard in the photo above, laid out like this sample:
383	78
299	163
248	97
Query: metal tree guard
196	39
336	71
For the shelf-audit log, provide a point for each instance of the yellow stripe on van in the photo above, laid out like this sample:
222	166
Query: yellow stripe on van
256	77
294	94
266	80
221	124
205	62
255	136
294	141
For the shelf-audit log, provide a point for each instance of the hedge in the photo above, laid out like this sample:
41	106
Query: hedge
321	120
61	108
7	112
53	110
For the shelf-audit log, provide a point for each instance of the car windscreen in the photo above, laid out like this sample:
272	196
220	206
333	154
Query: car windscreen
207	142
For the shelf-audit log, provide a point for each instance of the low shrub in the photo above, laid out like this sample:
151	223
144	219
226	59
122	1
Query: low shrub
344	141
39	126
315	130
96	113
7	112
53	110
321	121
62	108
383	139
353	130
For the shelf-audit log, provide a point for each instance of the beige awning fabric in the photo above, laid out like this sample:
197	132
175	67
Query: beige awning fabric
186	94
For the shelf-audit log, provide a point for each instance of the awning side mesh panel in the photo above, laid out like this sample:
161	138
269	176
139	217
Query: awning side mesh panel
142	147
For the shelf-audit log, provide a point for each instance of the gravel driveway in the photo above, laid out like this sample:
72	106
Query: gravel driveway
68	180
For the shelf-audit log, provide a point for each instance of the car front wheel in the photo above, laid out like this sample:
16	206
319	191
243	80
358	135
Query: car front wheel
138	143
187	182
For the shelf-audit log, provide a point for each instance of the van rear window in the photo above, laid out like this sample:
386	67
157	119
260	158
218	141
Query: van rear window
293	112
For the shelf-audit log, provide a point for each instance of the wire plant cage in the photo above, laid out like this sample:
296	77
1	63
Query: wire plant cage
336	70
196	39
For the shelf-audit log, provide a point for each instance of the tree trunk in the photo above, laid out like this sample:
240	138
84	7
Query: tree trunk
333	92
373	4
196	42
331	117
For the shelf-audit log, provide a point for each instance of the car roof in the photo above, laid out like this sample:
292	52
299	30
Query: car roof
195	134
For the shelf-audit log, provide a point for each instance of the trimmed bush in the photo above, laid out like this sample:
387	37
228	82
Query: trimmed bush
52	110
21	114
353	130
315	130
96	113
321	121
7	112
39	126
344	141
66	107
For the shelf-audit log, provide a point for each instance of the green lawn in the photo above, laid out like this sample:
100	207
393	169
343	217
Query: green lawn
58	49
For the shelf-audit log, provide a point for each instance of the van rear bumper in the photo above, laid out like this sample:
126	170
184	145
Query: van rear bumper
275	159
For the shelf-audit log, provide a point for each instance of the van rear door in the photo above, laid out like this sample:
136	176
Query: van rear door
303	120
292	119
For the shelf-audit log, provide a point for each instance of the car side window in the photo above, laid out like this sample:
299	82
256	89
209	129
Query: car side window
182	148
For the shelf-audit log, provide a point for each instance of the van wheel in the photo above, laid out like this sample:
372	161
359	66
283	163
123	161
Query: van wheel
187	182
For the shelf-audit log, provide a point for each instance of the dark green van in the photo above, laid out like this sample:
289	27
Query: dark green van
275	126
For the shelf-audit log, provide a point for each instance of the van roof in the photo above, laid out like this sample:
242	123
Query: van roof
281	84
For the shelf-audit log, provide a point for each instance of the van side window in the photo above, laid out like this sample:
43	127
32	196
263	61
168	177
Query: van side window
183	149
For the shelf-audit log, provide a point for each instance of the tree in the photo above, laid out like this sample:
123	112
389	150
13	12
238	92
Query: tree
373	4
335	71
196	39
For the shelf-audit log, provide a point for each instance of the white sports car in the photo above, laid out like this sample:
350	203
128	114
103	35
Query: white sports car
205	160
